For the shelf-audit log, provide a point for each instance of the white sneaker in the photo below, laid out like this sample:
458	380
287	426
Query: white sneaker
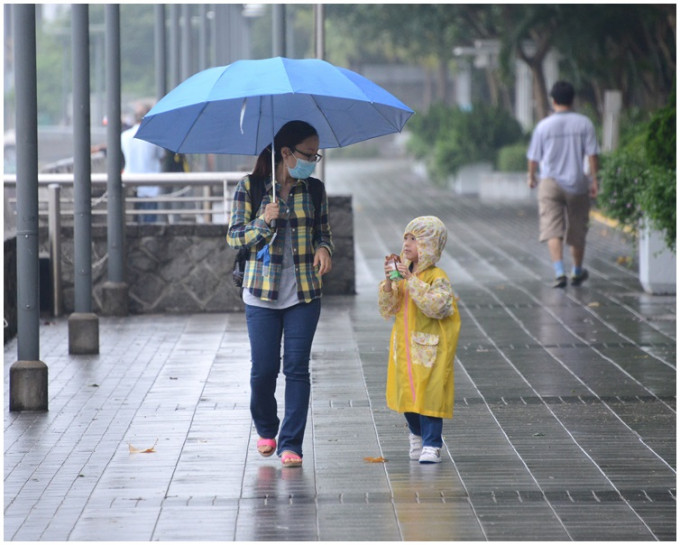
430	455
416	447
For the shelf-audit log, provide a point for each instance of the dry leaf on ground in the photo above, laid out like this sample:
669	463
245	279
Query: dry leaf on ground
378	460
142	451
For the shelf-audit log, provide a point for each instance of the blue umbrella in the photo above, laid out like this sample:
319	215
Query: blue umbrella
236	109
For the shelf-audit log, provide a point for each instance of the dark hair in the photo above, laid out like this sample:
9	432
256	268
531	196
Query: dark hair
562	93
289	136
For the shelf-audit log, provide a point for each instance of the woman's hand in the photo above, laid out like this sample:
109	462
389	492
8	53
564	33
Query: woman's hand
322	260
271	212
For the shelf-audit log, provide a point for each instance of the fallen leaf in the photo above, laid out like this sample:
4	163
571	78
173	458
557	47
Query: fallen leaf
378	460
135	450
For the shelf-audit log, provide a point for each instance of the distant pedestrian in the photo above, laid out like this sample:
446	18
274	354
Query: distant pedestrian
142	157
560	144
424	336
290	250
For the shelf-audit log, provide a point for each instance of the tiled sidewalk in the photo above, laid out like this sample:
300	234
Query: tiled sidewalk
564	426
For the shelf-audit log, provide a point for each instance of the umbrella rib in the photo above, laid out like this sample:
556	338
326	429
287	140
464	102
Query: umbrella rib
193	123
328	122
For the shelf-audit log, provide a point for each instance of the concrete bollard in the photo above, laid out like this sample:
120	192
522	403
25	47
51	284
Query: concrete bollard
28	386
83	333
115	299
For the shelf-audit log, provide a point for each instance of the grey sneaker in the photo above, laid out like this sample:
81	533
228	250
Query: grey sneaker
430	455
416	446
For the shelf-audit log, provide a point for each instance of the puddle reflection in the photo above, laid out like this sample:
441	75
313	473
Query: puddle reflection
284	507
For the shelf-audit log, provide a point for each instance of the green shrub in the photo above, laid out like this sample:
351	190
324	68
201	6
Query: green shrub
657	200
424	129
448	137
661	137
621	175
512	158
639	179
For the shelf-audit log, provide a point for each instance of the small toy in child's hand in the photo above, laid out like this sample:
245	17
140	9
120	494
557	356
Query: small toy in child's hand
394	259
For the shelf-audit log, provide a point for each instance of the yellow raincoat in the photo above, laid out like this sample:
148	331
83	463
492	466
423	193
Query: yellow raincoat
426	327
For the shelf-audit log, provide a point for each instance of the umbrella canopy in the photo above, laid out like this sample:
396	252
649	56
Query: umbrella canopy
237	109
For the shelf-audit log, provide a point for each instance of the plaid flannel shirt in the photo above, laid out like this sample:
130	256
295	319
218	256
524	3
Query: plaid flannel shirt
249	230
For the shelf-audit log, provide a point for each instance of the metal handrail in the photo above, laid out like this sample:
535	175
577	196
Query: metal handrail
226	180
53	209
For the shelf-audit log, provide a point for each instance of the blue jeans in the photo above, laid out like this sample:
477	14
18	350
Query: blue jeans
266	327
147	218
427	427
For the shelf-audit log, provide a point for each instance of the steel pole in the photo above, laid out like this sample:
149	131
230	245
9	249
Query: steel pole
115	205
28	375
54	232
28	264
115	289
160	41
81	160
203	37
83	324
186	53
174	42
279	30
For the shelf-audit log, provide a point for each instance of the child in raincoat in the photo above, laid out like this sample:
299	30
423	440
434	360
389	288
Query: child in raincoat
424	337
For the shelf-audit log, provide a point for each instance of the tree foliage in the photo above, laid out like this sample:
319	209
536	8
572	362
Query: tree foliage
639	179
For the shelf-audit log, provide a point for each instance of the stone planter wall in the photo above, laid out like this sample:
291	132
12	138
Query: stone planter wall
507	187
181	268
657	263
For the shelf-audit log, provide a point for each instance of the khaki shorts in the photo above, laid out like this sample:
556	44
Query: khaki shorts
561	214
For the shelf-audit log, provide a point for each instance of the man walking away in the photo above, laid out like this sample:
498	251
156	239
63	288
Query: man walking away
559	144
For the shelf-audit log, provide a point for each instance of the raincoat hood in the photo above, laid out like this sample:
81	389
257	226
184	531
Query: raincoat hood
431	234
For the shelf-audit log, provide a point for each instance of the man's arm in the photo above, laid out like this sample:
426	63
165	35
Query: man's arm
593	165
532	178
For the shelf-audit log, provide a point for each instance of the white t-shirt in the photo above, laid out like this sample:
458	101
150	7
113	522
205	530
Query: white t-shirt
560	143
141	157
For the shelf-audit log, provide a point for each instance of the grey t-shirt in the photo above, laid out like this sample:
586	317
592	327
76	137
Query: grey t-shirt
560	143
288	287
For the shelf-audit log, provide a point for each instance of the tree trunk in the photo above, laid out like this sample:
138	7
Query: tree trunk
443	80
541	104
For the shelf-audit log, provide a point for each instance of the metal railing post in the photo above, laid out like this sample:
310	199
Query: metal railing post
54	231
207	207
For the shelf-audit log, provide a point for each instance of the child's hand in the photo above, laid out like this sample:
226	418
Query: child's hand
404	270
388	267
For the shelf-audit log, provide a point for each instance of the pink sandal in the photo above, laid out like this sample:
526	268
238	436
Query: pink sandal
266	447
290	459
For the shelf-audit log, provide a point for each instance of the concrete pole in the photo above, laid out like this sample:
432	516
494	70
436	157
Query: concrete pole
279	30
28	375
115	289
83	323
160	45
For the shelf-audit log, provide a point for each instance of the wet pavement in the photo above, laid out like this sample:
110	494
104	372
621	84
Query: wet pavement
564	424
